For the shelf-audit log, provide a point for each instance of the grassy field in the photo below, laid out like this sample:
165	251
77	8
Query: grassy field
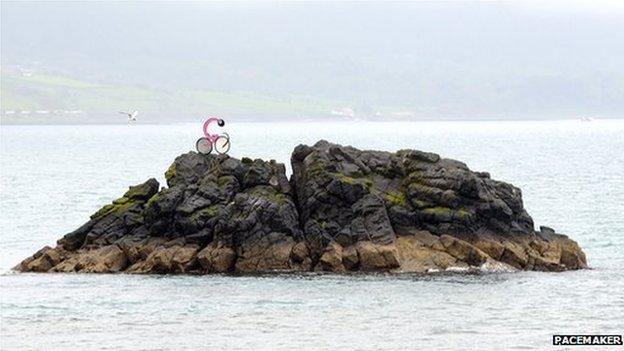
40	91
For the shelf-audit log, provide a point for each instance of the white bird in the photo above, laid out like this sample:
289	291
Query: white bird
132	115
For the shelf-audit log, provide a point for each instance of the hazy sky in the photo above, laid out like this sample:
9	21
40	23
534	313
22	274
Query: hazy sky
474	58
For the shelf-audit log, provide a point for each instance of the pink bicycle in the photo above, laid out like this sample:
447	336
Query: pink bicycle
204	145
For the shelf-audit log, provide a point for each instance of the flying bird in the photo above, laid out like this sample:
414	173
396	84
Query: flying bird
132	115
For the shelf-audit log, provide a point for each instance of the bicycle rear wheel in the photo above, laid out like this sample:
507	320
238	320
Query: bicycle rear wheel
203	146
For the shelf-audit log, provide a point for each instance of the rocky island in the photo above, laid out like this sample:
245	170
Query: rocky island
343	210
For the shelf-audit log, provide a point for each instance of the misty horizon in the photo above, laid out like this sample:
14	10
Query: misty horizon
298	61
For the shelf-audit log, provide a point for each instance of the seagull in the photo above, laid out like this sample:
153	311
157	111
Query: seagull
131	115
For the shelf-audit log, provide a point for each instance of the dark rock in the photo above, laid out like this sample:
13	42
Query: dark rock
343	209
546	230
143	192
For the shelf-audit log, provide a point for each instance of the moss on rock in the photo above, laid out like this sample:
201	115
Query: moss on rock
142	191
438	210
117	206
396	197
366	181
170	173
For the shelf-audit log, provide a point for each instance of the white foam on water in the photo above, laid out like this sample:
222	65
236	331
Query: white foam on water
458	269
493	266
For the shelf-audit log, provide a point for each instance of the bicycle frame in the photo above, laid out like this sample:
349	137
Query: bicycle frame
211	137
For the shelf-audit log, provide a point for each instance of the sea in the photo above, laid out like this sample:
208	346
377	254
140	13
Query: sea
54	176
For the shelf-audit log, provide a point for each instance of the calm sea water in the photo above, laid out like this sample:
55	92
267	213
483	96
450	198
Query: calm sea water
54	177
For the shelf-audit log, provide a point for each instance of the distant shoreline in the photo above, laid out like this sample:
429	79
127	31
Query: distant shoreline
103	121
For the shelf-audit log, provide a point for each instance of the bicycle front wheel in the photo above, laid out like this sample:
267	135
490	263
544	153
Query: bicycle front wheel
203	146
222	144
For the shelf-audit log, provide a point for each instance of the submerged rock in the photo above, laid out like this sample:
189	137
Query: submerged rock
343	209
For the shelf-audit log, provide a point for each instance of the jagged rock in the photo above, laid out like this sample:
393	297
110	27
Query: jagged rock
350	258
343	209
335	206
217	259
106	259
351	196
514	255
42	261
272	252
113	221
261	227
173	259
492	248
423	252
374	257
463	251
300	252
331	259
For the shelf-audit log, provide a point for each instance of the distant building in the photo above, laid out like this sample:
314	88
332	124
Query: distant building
403	114
26	72
345	111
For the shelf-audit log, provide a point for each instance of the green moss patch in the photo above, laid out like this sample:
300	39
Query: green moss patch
366	181
463	213
211	211
439	210
119	205
171	172
225	180
153	199
421	204
142	191
270	194
396	197
317	166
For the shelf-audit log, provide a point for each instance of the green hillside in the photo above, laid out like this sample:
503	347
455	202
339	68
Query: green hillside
44	91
